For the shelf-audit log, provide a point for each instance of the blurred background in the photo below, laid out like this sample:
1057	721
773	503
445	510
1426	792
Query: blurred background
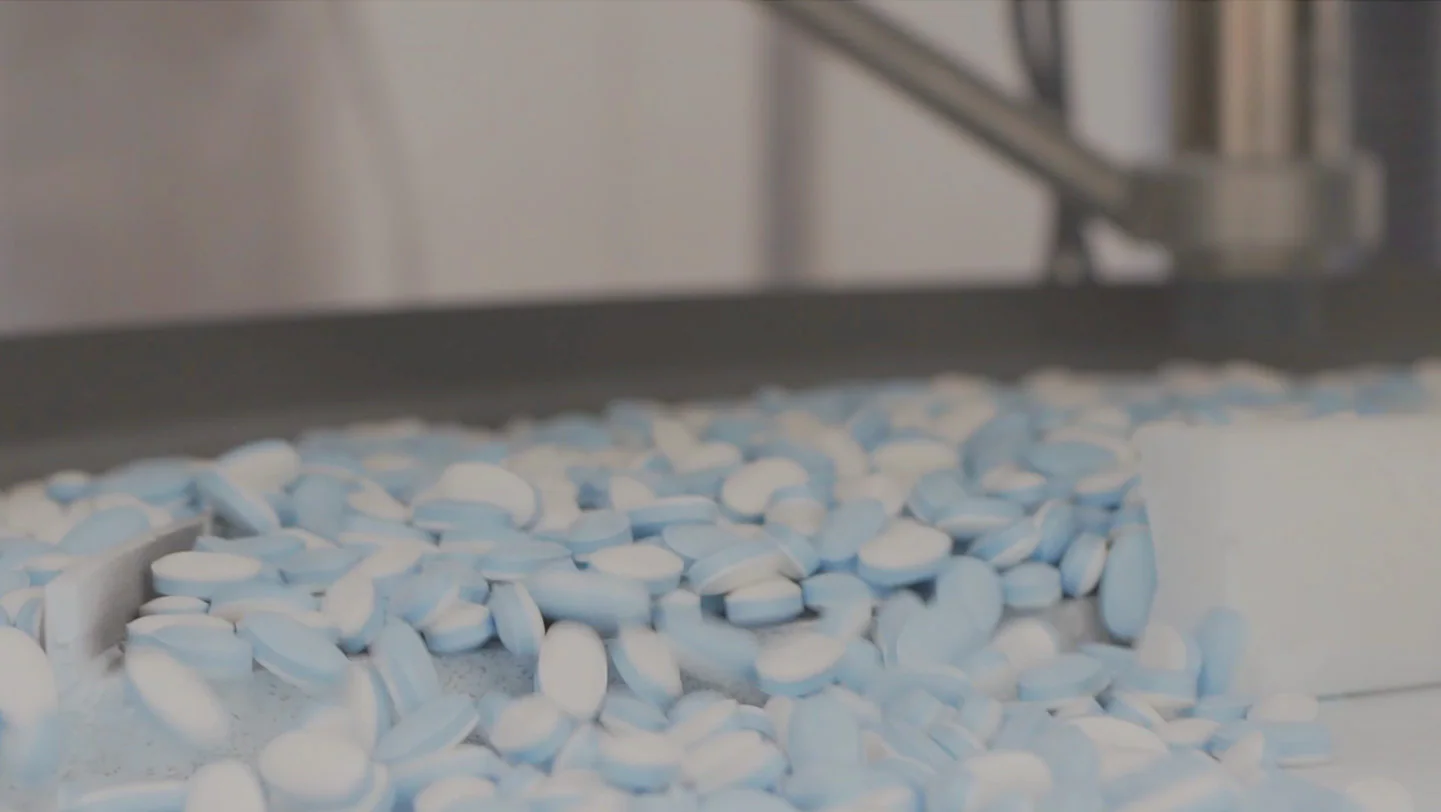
167	160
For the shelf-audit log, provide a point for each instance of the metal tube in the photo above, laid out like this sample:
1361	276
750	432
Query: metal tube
1023	134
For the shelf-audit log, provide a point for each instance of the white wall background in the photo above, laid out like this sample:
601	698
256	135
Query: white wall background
180	160
575	147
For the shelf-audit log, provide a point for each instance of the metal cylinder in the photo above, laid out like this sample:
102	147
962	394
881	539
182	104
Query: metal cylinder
1263	79
1266	181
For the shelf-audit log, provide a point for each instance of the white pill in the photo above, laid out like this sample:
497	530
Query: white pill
707	456
727	760
177	697
658	568
747	491
905	552
1245	758
393	560
225	786
798	664
704	723
1026	643
891	493
1163	648
1285	707
174	605
372	500
573	671
526	723
350	603
628	493
1189	732
27	680
493	485
318	769
455	792
909	460
149	624
199	575
1380	795
646	665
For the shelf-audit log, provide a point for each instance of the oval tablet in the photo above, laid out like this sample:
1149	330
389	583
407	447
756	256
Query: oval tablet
656	567
200	575
225	786
177	697
646	665
573	671
798	664
316	769
904	553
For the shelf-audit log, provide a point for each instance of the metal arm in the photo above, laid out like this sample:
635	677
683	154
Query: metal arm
1026	135
1305	206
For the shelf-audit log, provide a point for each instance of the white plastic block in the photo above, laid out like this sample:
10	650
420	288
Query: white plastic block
1325	535
87	606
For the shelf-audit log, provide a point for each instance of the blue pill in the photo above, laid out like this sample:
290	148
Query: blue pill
105	529
517	619
603	602
597	529
1083	564
1056	520
1031	585
1128	584
405	666
293	651
236	505
974	586
439	724
1065	677
847	528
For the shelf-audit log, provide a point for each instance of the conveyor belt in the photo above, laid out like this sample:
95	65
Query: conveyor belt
97	398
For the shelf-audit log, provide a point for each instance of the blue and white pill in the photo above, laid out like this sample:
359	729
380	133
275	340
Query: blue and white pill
492	485
517	619
738	758
646	665
439	724
1065	677
714	651
105	529
603	602
1222	637
463	627
176	697
748	490
294	652
974	586
454	794
904	553
822	731
775	600
847	528
733	567
226	786
1056	520
42	569
656	567
696	541
216	654
701	715
319	568
798	664
654	517
312	769
970	518
597	529
623	711
530	730
639	761
580	751
411	777
235	503
1014	483
572	670
799	558
135	796
1031	585
353	606
201	575
366	704
513	561
422	598
935	636
174	605
1008	546
1128	584
1082	565
405	666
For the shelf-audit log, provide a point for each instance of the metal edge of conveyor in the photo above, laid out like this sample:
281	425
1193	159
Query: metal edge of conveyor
95	398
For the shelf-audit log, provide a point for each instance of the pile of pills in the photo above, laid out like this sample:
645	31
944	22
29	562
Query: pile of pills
822	600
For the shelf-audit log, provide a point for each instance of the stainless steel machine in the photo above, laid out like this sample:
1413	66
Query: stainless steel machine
1268	207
